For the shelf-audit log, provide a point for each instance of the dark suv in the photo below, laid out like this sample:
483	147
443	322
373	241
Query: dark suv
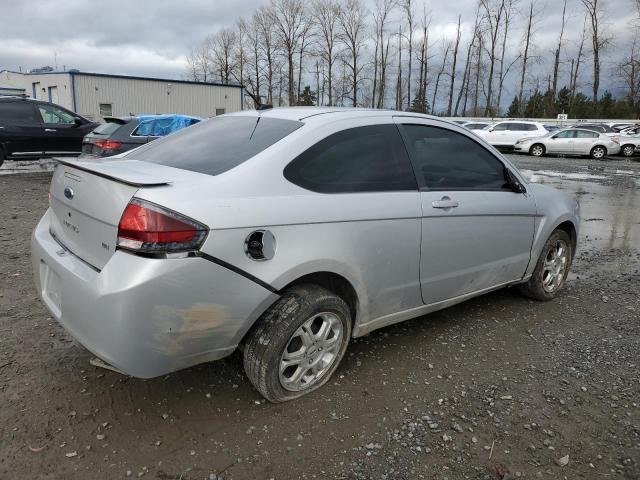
33	129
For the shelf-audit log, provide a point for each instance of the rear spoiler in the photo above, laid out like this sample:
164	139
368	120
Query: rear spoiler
129	172
118	120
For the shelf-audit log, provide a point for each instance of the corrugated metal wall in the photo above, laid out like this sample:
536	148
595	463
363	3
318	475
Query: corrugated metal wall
61	81
137	96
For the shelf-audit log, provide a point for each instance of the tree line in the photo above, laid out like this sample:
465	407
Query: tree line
344	53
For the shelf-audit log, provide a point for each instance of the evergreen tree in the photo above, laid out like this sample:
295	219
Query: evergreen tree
514	108
419	104
308	98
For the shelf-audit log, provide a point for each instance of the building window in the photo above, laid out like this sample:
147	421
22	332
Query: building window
219	111
106	110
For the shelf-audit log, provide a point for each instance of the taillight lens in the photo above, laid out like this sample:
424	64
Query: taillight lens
108	144
149	228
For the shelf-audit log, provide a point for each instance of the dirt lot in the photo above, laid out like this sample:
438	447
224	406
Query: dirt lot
499	387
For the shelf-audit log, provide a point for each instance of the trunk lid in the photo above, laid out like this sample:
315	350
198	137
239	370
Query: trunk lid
87	200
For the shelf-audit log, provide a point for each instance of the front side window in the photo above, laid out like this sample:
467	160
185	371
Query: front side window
500	127
447	160
216	145
51	114
361	159
566	134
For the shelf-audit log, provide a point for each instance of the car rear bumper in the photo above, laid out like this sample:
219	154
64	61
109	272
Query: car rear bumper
146	317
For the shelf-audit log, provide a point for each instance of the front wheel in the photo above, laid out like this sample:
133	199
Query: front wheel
628	150
551	269
298	343
537	150
598	152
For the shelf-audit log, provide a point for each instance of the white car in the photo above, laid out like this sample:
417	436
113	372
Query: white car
476	125
629	144
572	141
507	133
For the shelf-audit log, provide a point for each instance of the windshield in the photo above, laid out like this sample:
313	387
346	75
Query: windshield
216	145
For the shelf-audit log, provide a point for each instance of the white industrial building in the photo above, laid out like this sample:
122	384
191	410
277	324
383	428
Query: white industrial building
97	95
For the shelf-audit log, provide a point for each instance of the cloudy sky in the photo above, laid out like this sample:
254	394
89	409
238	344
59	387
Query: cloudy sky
152	37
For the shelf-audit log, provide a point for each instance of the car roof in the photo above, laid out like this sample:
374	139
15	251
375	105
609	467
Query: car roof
328	113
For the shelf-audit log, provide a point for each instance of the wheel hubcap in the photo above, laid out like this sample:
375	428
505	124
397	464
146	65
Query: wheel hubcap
598	153
628	151
310	352
537	151
555	266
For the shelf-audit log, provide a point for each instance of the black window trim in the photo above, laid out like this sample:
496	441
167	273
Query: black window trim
421	184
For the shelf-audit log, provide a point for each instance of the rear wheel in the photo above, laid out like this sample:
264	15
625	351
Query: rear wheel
298	343
628	150
598	152
537	150
552	268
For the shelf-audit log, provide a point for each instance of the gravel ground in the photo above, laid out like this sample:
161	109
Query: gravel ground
499	387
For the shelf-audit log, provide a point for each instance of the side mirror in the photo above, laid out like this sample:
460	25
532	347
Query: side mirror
491	129
77	121
514	183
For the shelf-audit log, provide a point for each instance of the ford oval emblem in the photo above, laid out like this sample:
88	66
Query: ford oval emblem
68	192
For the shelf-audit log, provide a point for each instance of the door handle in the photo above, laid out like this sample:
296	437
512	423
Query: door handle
50	130
445	202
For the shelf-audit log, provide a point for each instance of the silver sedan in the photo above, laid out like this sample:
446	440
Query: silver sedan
286	233
570	141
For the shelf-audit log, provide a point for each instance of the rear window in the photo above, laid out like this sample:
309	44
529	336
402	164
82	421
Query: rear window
216	145
19	111
107	128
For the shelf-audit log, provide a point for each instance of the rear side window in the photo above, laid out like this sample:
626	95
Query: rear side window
447	160
18	112
107	128
361	159
521	127
586	134
216	145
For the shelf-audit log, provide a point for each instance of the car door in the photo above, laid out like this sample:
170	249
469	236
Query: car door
477	231
20	128
562	142
498	134
61	132
584	142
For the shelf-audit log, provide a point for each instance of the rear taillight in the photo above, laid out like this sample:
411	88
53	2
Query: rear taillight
149	228
108	144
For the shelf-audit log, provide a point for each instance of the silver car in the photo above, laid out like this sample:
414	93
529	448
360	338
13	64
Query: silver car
286	233
571	141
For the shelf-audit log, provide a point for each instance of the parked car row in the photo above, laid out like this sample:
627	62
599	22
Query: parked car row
594	139
34	129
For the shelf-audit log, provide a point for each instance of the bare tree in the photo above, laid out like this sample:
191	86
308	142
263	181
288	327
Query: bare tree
423	60
629	69
380	17
263	32
493	11
502	74
556	60
408	10
288	21
327	14
253	56
200	63
466	77
454	64
446	47
525	55
223	46
478	70
352	36
599	40
305	35
399	76
575	63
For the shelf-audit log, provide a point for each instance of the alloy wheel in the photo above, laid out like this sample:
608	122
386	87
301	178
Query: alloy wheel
537	150
555	266
310	352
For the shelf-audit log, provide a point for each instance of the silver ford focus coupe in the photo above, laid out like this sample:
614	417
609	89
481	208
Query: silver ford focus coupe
285	233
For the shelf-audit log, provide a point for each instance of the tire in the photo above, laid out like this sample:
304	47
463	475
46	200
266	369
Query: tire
628	150
538	286
598	152
287	328
537	150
